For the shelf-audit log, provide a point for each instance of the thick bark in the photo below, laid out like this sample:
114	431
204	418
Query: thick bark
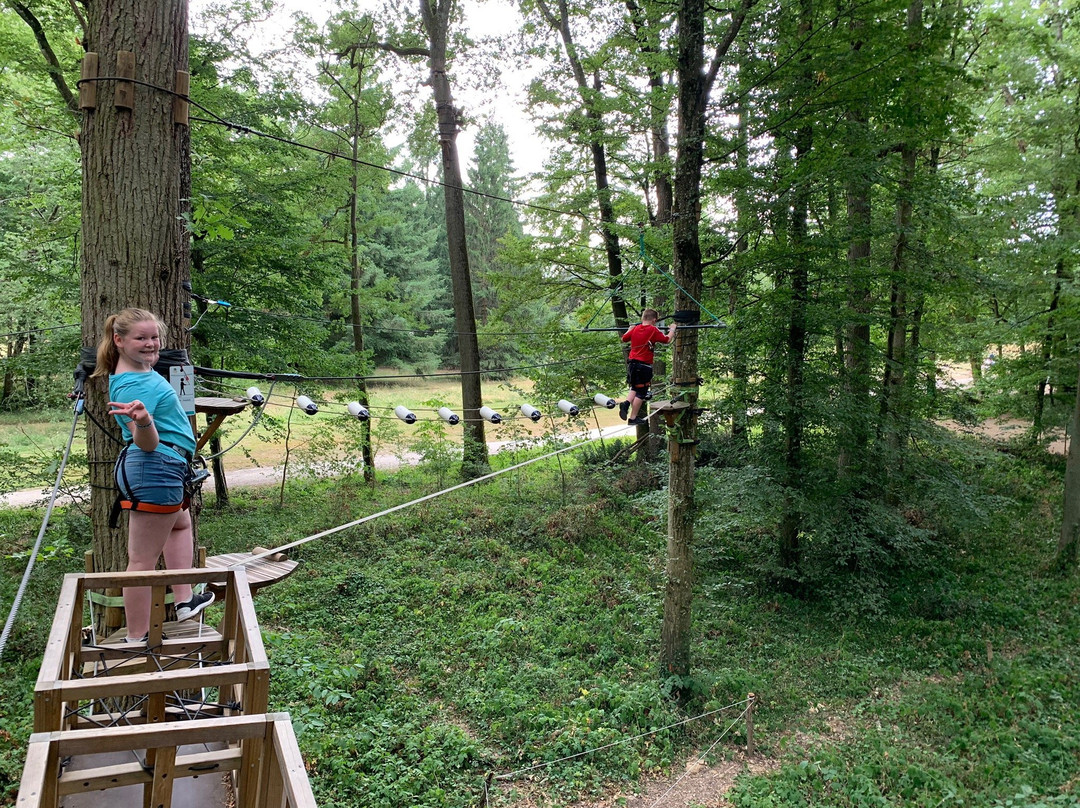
794	404
135	247
367	451
1068	549
893	386
437	22
694	86
851	457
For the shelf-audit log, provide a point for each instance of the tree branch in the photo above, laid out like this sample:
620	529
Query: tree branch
725	44
56	73
389	47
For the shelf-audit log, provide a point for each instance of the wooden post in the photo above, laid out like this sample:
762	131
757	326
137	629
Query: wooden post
124	97
750	724
180	105
88	89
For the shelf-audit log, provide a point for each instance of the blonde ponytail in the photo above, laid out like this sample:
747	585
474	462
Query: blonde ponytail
120	323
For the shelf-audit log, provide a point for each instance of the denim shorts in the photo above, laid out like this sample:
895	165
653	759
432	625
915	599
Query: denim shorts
156	478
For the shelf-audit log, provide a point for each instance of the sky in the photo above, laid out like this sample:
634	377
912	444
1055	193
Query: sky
489	18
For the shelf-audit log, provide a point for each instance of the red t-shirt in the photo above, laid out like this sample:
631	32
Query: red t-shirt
642	338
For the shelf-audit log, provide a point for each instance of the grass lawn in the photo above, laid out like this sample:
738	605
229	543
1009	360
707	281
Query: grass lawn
34	440
515	624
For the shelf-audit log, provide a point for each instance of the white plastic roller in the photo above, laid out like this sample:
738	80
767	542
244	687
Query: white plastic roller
449	416
569	407
358	410
405	414
255	396
530	412
604	401
307	405
489	414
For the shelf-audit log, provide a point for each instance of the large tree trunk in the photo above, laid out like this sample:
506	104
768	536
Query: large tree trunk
135	248
695	82
693	94
795	394
437	22
1068	549
851	457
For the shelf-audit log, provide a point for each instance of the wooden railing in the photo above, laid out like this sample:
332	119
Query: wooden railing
187	684
261	750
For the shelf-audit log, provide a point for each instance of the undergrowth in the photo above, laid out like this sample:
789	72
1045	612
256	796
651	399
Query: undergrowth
502	631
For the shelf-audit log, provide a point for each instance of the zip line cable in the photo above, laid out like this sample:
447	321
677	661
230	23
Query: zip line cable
40	330
217	120
422	331
216	373
41	533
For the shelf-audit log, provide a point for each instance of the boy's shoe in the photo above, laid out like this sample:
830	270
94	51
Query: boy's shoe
190	608
624	408
638	421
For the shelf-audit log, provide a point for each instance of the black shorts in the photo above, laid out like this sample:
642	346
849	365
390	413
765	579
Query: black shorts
638	375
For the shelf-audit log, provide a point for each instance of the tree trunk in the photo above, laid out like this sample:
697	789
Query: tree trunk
795	394
367	452
855	433
437	23
892	387
135	179
1068	549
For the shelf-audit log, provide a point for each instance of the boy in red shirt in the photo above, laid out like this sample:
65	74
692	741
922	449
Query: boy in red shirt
639	372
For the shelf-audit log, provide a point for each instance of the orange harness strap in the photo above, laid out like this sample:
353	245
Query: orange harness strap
150	507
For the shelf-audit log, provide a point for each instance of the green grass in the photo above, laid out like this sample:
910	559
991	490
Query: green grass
30	442
517	622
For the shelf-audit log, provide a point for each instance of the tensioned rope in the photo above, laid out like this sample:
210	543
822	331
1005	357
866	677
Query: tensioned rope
41	533
247	130
215	373
427	498
513	774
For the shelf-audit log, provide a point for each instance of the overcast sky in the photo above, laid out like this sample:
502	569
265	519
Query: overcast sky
489	18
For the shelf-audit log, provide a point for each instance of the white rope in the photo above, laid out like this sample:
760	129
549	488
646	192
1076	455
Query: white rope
511	775
703	755
402	506
41	535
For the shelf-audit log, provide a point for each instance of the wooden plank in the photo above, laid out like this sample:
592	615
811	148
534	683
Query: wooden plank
124	96
88	89
103	580
157	682
260	573
67	606
38	784
162	791
290	764
670	406
100	778
217	405
180	105
130	774
149	736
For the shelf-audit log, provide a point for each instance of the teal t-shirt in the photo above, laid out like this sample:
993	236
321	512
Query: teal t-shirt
161	402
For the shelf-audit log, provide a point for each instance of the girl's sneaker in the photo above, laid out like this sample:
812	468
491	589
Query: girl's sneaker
190	608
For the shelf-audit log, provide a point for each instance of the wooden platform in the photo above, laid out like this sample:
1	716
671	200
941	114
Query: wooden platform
259	573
